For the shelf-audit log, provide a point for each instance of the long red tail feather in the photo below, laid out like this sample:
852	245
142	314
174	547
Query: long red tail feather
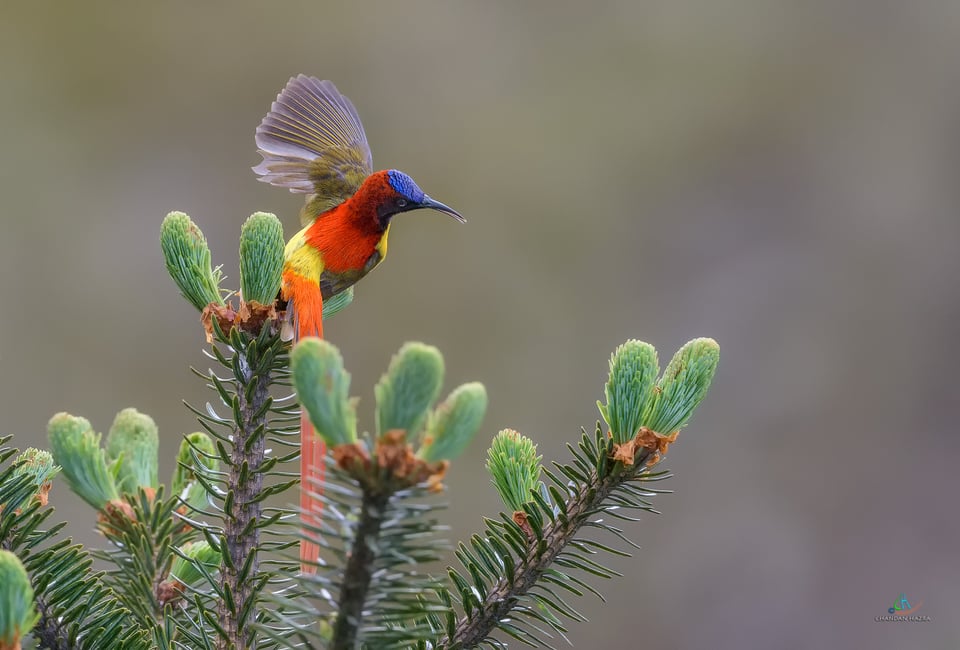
312	452
308	321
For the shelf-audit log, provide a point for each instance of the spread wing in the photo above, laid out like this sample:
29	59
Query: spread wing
312	142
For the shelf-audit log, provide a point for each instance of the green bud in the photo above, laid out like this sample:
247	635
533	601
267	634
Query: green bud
323	387
633	373
261	257
36	462
132	443
682	386
408	389
199	445
514	467
196	496
454	423
186	571
76	448
337	302
188	260
325	629
39	466
18	612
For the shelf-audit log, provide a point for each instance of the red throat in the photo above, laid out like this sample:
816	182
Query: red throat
349	233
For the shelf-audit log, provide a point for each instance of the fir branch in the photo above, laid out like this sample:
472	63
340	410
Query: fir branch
49	631
383	537
375	540
78	611
144	534
359	571
239	577
225	503
511	567
507	591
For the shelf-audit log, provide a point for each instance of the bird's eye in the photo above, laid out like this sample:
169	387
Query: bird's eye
401	203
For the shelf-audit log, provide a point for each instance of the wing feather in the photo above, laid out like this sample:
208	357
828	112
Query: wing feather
312	142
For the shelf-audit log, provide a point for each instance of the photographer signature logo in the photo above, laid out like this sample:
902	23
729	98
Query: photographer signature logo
903	608
903	612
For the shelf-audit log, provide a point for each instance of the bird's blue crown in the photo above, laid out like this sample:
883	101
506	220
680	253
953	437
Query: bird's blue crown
404	186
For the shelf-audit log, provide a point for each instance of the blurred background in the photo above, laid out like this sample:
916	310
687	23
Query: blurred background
779	176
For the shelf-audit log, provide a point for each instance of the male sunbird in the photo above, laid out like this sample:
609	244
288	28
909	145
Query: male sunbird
312	142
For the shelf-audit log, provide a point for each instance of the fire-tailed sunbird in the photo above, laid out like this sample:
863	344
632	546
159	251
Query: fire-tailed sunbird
312	142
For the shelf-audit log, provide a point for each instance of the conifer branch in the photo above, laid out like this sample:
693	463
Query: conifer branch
77	610
244	483
387	535
515	555
358	572
49	632
505	594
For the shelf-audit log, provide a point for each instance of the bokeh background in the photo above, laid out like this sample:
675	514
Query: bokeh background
779	176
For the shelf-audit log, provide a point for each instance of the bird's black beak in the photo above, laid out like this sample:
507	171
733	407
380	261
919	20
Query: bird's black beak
427	202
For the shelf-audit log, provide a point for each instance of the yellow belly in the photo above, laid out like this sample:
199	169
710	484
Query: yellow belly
307	262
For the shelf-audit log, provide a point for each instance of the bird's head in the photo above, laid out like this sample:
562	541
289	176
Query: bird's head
399	193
